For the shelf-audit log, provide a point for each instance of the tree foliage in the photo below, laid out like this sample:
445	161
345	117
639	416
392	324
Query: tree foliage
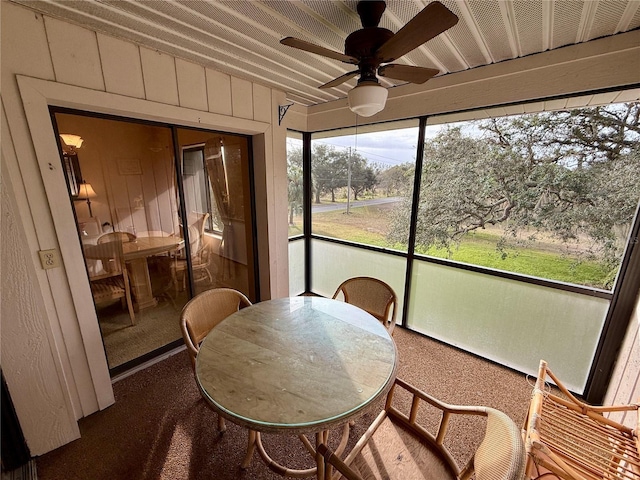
397	180
363	176
295	182
574	175
330	167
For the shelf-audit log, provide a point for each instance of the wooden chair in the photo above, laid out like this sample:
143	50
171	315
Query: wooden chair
569	439
373	296
153	233
200	256
202	313
117	236
90	227
112	282
397	447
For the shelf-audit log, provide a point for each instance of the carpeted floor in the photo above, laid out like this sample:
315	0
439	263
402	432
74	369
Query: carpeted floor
154	327
160	428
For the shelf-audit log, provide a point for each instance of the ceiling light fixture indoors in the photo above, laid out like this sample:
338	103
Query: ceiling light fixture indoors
71	140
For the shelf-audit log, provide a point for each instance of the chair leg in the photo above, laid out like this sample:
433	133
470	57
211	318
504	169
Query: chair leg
209	276
130	308
222	426
174	280
127	295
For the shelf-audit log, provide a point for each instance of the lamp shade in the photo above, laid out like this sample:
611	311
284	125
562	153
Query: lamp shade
71	140
86	191
367	98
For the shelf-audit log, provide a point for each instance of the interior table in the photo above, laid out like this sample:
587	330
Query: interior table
135	254
300	365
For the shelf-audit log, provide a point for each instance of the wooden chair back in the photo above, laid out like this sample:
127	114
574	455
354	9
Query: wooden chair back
117	237
204	311
197	223
112	282
200	255
373	296
572	440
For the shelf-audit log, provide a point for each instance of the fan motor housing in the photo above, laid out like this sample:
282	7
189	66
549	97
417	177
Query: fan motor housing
363	43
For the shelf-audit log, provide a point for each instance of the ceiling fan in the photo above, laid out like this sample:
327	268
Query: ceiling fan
372	48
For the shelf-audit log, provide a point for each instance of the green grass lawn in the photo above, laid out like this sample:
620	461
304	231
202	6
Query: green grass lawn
368	225
481	250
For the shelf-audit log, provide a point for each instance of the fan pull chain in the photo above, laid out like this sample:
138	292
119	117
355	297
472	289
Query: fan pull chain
355	147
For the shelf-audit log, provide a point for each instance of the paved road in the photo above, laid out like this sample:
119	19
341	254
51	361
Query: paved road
327	207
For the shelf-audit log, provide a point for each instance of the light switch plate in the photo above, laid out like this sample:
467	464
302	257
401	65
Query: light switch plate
49	258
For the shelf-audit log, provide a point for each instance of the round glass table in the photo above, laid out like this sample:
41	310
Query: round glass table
297	365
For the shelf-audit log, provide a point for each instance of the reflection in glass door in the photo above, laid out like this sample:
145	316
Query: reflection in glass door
216	172
142	263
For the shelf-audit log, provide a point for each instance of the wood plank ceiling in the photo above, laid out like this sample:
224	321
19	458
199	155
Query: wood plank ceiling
241	37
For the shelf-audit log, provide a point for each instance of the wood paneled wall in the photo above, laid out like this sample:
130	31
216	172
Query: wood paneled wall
624	388
64	375
130	167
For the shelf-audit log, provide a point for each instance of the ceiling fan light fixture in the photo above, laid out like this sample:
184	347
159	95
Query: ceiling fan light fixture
367	98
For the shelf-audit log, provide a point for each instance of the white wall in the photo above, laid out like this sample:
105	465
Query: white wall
624	388
57	371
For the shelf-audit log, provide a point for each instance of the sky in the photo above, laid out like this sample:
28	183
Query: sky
387	148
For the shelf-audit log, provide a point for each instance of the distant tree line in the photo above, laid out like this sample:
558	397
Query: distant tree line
331	168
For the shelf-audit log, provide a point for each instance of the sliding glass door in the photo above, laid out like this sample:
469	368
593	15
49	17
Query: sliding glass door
154	230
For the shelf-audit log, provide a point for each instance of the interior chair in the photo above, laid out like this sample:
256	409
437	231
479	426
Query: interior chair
569	439
153	233
111	264
399	445
202	313
117	237
200	255
112	282
373	296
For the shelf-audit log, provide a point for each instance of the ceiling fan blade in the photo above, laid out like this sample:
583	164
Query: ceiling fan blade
434	19
341	79
325	52
407	73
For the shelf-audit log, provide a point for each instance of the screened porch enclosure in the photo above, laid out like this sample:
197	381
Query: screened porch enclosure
538	277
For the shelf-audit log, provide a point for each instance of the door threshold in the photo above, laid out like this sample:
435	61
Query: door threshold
147	364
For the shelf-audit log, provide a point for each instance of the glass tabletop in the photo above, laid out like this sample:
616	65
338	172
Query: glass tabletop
296	364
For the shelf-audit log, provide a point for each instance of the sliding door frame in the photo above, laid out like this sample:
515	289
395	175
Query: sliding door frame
82	365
